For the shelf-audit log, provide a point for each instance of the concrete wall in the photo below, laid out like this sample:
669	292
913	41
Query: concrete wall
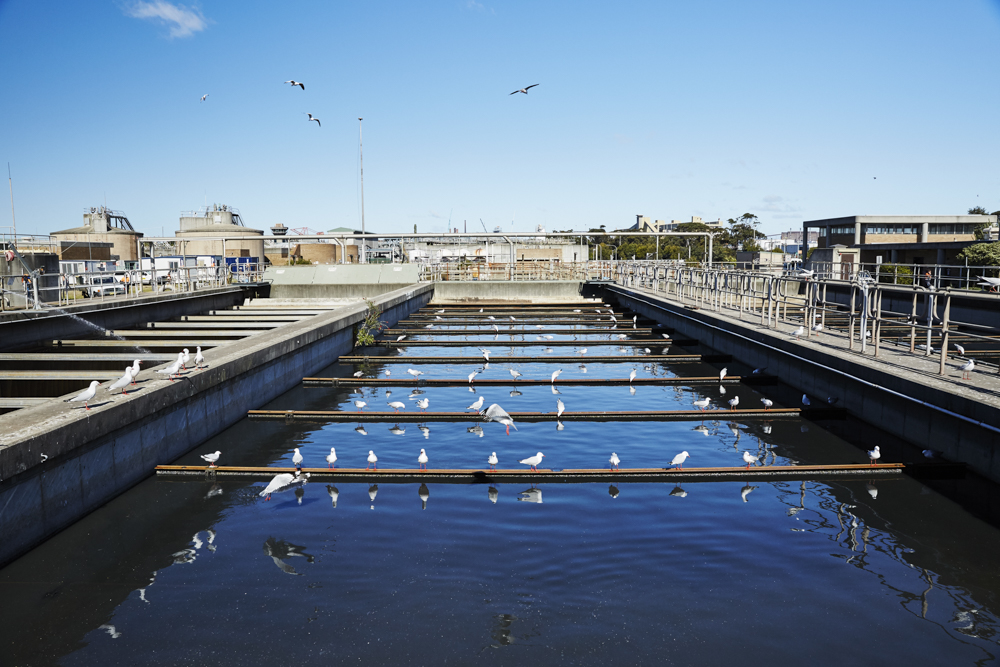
340	281
819	373
94	456
516	291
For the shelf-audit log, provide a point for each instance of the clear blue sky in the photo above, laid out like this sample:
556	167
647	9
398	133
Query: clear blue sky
791	110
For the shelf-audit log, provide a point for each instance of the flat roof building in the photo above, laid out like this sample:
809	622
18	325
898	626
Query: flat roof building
905	239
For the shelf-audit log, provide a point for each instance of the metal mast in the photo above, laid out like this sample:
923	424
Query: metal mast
361	151
12	218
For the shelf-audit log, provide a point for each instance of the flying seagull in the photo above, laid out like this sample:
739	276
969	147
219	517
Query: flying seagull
315	119
524	90
204	97
297	83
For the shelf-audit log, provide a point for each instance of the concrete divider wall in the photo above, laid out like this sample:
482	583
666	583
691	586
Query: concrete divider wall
93	456
514	291
339	281
866	391
30	328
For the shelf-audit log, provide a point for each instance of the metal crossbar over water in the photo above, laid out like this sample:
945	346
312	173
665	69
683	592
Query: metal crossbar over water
530	417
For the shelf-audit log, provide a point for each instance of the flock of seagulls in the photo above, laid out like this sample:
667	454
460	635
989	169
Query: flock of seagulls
132	372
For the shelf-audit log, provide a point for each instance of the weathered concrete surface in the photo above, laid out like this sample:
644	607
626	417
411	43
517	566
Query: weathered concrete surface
27	328
552	291
93	456
894	392
339	280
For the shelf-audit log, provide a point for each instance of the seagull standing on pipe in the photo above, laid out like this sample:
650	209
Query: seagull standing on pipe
204	97
422	459
967	369
631	376
472	376
679	460
478	405
493	460
767	403
533	461
702	403
423	403
514	374
614	460
297	459
733	402
372	460
749	459
555	374
331	458
212	458
874	455
560	408
722	374
360	405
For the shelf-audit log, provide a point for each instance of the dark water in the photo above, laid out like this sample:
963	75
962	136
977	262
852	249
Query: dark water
825	573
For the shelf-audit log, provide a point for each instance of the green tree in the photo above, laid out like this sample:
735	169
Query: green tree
742	233
982	254
980	229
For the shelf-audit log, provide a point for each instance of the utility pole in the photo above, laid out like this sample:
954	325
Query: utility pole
361	151
12	218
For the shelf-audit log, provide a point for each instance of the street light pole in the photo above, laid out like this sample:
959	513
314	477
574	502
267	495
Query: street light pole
361	151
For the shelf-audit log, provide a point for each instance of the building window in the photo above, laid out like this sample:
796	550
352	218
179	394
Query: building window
954	229
822	231
834	231
891	229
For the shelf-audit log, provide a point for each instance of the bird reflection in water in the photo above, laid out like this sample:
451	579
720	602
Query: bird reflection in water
478	430
426	431
515	392
397	430
745	491
872	490
361	429
372	492
299	493
554	390
559	425
494	494
532	495
501	632
613	491
701	428
424	494
631	390
110	629
679	492
334	494
213	491
279	550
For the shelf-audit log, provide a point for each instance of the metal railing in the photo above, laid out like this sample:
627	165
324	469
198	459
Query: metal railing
507	271
19	291
801	301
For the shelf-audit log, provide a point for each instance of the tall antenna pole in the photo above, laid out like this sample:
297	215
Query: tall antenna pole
361	151
12	218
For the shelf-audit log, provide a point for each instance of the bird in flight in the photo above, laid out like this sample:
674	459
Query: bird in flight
297	83
524	90
204	97
315	119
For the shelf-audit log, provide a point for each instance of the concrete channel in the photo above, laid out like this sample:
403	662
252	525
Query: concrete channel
59	461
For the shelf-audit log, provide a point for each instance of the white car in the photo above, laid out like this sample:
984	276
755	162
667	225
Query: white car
102	286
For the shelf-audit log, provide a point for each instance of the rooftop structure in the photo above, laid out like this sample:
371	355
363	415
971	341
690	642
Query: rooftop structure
199	227
102	225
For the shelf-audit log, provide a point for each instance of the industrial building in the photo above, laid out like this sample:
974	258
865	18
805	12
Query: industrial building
201	232
104	235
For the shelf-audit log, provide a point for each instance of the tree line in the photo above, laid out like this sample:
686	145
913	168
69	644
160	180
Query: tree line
742	233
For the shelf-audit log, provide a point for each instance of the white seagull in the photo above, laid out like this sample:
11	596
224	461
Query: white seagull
135	369
533	461
749	459
514	374
961	350
679	460
397	405
486	354
422	459
123	382
874	455
472	376
315	119
297	83
767	403
478	405
525	91
560	408
703	403
204	97
614	460
555	374
722	374
280	482
399	338
186	359
372	460
631	376
199	358
212	458
583	351
798	332
495	413
358	374
967	369
423	403
733	402
331	458
297	458
493	460
86	395
414	372
360	405
174	368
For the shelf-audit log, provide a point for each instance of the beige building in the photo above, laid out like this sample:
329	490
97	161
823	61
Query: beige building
201	230
102	226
